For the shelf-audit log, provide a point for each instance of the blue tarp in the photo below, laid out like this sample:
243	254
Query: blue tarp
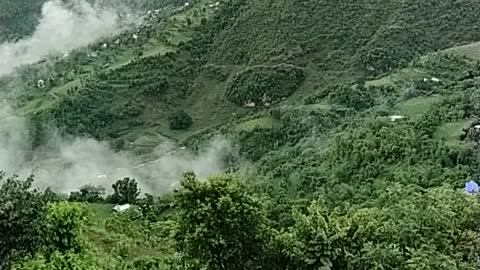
471	187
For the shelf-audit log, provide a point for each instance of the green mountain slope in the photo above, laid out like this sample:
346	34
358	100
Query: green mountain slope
355	124
325	35
329	41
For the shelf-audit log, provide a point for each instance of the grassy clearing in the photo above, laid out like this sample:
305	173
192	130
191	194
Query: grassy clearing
451	132
398	77
100	212
471	51
417	106
263	123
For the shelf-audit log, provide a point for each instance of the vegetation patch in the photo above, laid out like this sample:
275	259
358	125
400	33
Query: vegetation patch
452	132
417	106
180	120
259	123
264	84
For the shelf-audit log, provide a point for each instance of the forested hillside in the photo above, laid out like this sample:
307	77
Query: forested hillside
353	125
18	18
369	35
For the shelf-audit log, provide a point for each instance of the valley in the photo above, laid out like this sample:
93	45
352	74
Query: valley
244	134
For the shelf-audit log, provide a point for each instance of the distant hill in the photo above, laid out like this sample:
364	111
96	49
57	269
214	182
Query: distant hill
370	35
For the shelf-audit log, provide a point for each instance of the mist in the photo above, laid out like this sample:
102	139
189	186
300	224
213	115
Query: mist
65	164
62	28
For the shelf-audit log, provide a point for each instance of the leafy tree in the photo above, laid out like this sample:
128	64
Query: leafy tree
153	208
399	231
64	223
88	193
180	120
219	225
22	218
357	96
124	191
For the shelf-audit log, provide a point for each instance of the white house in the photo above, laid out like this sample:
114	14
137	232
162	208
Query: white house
121	208
394	118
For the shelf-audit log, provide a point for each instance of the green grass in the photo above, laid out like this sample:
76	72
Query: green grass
451	132
417	106
399	77
107	242
37	104
100	212
263	123
471	51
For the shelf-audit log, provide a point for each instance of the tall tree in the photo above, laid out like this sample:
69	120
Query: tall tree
125	191
22	218
220	226
64	223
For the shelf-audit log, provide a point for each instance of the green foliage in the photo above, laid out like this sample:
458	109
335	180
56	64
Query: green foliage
88	193
374	36
356	96
61	261
88	113
153	208
180	120
124	191
22	218
264	84
220	73
65	220
293	124
125	223
219	225
146	264
397	232
18	18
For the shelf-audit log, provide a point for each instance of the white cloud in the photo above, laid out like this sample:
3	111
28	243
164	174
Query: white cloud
62	28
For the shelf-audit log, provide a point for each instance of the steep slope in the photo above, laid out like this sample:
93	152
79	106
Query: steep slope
192	59
368	34
330	41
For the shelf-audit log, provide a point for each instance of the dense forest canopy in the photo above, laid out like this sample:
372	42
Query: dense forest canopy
353	127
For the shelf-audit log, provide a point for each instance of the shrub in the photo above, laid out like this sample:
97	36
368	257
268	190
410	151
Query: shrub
180	120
